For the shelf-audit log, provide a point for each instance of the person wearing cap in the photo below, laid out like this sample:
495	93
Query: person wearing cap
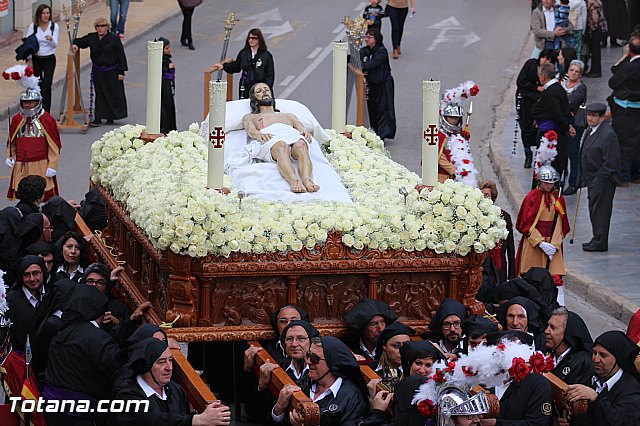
150	368
337	386
389	362
569	342
599	166
475	329
543	223
168	96
521	314
34	144
614	392
365	322
446	327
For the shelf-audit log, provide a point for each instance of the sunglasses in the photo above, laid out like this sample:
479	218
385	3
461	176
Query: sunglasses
313	358
253	38
102	25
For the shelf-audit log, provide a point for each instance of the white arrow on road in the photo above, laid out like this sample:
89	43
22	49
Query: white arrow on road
261	18
277	30
450	31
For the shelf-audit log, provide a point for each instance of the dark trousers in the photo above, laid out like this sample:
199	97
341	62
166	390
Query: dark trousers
630	169
397	17
594	48
574	156
187	13
528	131
43	68
601	192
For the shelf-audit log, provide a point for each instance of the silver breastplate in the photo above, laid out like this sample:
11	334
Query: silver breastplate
31	129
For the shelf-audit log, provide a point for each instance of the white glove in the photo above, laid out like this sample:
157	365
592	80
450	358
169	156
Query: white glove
548	249
50	172
10	162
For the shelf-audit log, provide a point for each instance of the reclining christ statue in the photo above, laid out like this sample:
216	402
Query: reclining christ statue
280	138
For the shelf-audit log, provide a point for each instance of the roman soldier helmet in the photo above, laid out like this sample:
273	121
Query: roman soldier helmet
30	95
455	401
5	323
548	174
451	110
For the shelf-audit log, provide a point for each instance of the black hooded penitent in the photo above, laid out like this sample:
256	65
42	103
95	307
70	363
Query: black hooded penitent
621	347
446	308
415	349
360	315
341	362
144	354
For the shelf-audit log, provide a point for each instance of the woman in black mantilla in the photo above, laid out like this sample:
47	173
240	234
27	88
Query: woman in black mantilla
254	61
109	65
168	96
375	65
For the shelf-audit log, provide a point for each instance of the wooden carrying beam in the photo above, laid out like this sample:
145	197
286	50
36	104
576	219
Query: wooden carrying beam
359	94
207	78
559	388
198	393
300	402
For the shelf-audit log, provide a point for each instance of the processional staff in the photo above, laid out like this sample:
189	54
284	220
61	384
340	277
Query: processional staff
430	115
229	23
217	116
339	92
154	85
67	13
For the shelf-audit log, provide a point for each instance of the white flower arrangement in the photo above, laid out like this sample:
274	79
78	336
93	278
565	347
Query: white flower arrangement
163	184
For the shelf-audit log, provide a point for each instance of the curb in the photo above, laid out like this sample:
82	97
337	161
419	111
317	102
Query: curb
84	66
588	289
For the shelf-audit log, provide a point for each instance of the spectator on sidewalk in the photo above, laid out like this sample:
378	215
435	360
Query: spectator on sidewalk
561	11
578	19
565	56
187	7
119	9
107	73
625	112
615	12
527	94
599	164
596	28
543	26
44	62
373	14
577	95
397	11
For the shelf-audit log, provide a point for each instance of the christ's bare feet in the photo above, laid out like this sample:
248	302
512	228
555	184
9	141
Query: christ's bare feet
298	187
310	185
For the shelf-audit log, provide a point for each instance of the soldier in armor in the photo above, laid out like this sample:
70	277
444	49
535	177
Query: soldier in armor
34	144
450	124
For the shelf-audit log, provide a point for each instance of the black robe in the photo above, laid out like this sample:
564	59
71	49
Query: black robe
23	318
526	403
347	408
618	406
109	61
380	96
575	368
168	102
553	104
526	96
625	84
174	411
259	69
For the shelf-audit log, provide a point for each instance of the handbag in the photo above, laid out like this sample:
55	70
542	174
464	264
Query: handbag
580	119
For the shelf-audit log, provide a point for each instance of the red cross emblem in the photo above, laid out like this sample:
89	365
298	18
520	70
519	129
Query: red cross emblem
431	134
217	137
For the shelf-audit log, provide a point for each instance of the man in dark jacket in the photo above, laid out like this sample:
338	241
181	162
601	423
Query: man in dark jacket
551	112
599	164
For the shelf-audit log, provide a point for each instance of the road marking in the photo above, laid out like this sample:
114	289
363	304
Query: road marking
448	25
314	53
261	18
312	66
360	7
338	29
287	80
277	30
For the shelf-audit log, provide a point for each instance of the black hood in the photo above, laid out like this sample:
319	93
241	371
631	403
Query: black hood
407	414
40	247
542	280
341	362
414	349
621	347
144	332
61	215
446	308
30	229
274	318
360	315
477	324
576	333
395	329
309	328
144	354
530	307
24	263
86	303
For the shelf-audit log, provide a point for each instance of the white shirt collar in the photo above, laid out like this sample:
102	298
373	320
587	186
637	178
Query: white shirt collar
608	384
501	389
594	129
371	354
295	372
550	82
148	390
94	322
561	357
79	270
549	18
31	298
634	58
334	388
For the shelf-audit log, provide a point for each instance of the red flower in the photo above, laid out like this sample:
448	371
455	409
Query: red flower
439	377
426	408
450	366
6	75
557	280
519	369
551	136
466	161
464	95
474	90
465	134
464	173
501	347
468	371
537	363
28	71
15	76
550	365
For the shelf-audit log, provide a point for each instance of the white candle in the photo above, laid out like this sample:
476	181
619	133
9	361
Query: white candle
154	85
430	115
339	93
217	110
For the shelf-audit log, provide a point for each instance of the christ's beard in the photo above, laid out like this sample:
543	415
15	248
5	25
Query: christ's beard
266	102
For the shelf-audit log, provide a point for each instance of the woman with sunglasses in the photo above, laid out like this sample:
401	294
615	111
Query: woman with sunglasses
107	73
254	61
389	364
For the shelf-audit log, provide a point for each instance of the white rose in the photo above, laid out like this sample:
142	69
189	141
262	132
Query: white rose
461	212
449	246
478	247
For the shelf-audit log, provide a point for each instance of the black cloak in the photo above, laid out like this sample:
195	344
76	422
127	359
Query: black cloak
61	215
342	363
93	210
405	412
359	316
621	347
86	303
446	308
144	332
395	329
415	349
144	354
542	280
40	247
576	333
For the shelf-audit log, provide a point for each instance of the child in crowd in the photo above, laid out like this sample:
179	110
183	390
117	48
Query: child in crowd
561	12
374	14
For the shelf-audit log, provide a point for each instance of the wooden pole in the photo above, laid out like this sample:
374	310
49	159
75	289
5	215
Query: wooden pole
430	116
339	88
77	106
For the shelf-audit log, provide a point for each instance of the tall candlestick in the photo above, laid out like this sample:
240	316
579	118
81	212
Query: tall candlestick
217	116
430	116
339	93
154	85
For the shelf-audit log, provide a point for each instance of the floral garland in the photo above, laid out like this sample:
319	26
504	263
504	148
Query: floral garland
487	365
452	218
462	160
546	152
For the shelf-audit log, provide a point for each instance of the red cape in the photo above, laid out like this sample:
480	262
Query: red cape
529	211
